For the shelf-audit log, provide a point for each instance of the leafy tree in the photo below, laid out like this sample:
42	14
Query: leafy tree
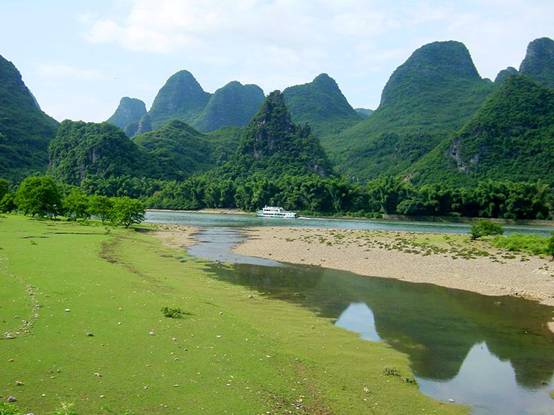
485	228
39	196
4	187
100	206
7	203
127	211
76	205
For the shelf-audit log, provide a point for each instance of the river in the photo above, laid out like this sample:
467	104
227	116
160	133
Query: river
494	354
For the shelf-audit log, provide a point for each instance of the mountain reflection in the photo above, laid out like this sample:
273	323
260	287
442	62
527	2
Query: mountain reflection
436	327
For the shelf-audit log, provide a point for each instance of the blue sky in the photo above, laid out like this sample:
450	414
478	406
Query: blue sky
80	57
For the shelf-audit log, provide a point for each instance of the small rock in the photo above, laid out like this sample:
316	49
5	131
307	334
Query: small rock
18	383
98	375
11	399
151	333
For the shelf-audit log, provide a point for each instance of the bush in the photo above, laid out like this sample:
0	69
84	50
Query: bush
485	228
550	246
127	211
533	244
39	196
172	312
8	409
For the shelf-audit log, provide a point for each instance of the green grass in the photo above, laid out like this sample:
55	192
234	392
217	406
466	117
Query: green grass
100	341
532	244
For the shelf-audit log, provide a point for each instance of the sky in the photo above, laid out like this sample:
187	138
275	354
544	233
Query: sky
80	57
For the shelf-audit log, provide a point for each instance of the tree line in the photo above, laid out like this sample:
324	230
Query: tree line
335	195
41	196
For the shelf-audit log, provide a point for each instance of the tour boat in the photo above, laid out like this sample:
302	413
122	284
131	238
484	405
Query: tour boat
275	212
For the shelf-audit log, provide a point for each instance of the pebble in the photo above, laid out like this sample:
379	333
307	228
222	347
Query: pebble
11	399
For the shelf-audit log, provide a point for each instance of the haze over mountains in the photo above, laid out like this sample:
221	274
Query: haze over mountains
438	120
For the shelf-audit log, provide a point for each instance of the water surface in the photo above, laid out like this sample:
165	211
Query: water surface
495	354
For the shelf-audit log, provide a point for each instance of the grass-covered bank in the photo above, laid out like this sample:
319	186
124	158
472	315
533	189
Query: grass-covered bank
233	352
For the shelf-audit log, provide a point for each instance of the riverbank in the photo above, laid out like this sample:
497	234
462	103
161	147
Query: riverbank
447	260
84	302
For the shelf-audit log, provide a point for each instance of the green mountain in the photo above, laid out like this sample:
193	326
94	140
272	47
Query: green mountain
25	130
273	145
364	112
505	73
429	96
234	105
128	115
539	61
181	98
84	149
511	137
322	105
178	149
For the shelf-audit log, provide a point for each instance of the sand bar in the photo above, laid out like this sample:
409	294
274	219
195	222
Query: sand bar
447	260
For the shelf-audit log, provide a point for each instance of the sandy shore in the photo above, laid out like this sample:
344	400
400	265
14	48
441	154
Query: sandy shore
176	236
447	260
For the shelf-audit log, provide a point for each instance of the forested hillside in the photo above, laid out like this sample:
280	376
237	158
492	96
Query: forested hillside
322	105
433	93
25	130
511	137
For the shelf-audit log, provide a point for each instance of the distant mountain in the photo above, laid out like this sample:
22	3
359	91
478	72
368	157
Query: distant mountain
128	115
539	61
181	98
25	130
81	149
364	112
511	137
505	73
320	104
233	105
179	150
273	145
429	96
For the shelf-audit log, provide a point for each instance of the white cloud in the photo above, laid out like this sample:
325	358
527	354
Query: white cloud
62	71
276	43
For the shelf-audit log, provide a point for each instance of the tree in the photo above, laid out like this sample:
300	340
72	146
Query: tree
76	205
100	207
485	228
127	211
4	187
7	203
39	196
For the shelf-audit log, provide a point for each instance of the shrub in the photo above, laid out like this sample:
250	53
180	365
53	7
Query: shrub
533	244
485	228
172	312
8	409
550	246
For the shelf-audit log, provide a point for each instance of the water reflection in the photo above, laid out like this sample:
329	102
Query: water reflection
494	353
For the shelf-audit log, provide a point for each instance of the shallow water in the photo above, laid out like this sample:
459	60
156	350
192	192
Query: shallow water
495	354
231	220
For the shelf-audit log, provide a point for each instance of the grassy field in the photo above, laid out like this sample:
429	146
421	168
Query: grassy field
83	305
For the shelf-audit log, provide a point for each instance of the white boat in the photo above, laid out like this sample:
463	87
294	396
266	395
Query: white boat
275	212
